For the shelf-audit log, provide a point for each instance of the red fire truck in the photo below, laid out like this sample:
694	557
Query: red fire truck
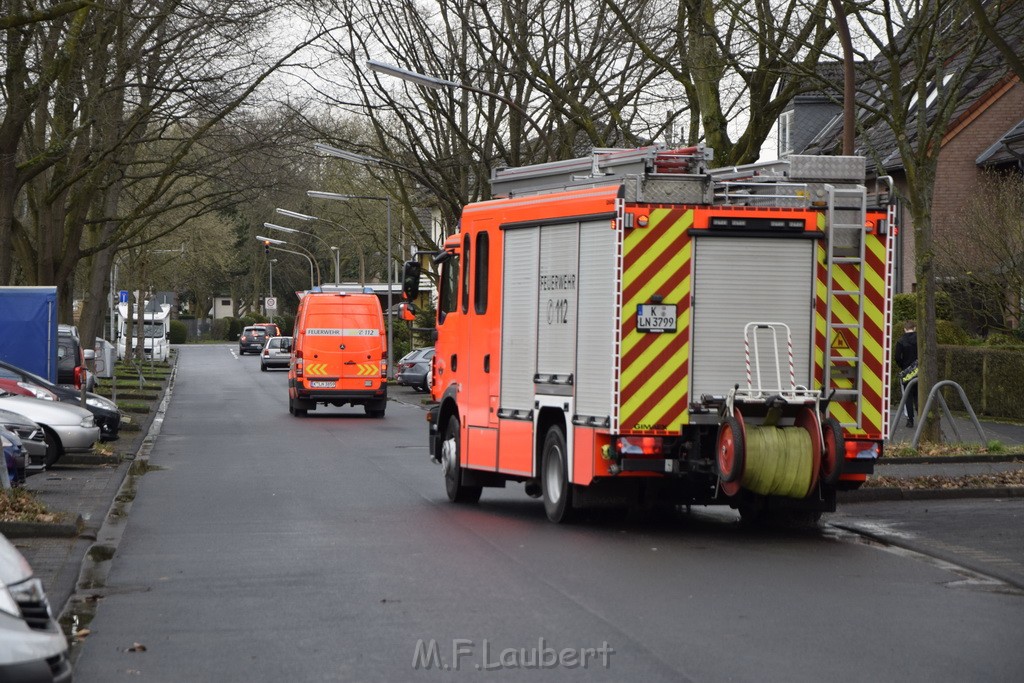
636	328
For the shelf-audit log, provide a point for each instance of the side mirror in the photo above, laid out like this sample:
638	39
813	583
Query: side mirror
411	279
407	312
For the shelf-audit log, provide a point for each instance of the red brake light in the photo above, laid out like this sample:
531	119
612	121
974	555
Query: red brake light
78	378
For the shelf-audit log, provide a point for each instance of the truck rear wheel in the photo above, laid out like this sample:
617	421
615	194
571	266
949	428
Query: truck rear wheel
451	454
834	452
555	477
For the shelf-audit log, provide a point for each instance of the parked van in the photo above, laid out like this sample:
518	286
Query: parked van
339	353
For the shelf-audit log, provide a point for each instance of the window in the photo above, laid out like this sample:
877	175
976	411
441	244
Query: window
225	302
480	287
786	132
465	274
449	287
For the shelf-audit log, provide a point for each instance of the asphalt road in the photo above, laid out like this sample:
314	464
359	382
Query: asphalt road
273	548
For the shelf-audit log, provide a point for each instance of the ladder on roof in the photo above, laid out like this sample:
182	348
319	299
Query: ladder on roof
846	267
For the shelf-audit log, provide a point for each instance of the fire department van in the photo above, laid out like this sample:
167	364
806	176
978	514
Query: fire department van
339	353
636	328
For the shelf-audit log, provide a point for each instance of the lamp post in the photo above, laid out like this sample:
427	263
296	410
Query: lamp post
281	228
270	240
435	83
313	194
337	252
272	262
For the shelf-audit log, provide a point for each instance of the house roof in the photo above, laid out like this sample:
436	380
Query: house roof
1007	149
988	79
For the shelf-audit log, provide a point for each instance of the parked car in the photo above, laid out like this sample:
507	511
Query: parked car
14	457
66	428
414	369
106	412
22	388
32	646
71	357
252	339
32	438
277	352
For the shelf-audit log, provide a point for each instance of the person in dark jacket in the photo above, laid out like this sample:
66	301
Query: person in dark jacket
906	359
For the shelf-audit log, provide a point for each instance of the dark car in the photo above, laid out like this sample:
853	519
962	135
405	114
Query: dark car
252	339
272	329
414	369
71	357
104	411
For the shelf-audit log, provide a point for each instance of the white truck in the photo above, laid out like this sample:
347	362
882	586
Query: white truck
156	319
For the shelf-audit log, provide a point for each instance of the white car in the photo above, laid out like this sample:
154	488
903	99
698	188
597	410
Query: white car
67	428
32	646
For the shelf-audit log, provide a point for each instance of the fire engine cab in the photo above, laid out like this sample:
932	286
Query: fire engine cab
635	328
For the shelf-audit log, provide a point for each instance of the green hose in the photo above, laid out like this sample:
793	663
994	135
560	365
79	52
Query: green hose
779	461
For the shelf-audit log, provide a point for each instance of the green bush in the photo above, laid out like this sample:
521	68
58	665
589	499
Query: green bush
989	376
179	332
235	327
1002	339
952	334
904	307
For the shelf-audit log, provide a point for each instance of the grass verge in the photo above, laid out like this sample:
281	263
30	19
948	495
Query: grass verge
19	505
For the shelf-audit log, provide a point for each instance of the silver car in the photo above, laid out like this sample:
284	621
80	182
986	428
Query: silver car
32	646
66	428
32	438
276	353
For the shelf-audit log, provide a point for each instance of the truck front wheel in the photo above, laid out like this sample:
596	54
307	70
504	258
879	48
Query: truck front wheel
555	477
451	453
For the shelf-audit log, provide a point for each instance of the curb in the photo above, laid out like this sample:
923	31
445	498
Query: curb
41	530
950	460
96	564
898	494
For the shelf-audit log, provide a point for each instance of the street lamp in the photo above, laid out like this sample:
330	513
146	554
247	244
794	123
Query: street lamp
435	83
337	252
309	257
272	262
274	226
314	194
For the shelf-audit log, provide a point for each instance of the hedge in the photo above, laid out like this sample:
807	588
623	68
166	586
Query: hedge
990	376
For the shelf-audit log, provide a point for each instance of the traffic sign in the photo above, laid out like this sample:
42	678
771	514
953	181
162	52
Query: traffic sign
122	296
271	303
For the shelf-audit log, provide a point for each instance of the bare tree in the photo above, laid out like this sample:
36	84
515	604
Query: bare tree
123	147
988	269
919	59
740	63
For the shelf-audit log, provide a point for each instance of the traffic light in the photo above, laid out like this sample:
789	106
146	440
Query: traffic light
266	247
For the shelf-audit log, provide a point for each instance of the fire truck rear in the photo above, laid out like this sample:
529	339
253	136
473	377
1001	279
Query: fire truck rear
634	328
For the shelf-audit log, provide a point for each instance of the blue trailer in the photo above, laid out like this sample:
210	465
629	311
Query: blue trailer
28	329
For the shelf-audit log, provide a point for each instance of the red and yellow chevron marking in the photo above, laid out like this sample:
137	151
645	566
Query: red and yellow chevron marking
844	310
367	369
654	368
315	369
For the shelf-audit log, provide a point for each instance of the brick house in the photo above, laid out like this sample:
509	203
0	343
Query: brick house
986	132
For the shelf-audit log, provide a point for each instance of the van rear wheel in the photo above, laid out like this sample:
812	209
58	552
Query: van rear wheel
376	409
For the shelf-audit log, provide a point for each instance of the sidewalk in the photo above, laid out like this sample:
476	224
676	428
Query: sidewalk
85	489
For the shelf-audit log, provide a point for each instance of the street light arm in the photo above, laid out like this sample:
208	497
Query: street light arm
305	256
436	83
305	252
